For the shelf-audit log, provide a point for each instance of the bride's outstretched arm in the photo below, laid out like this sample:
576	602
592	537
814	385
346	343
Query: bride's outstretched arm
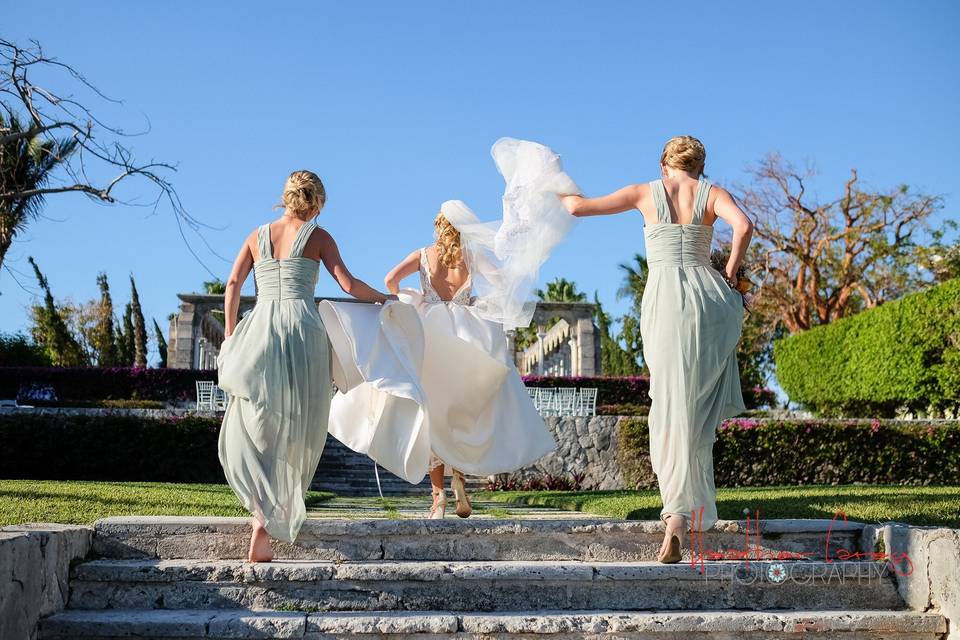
330	255
238	274
409	266
726	208
619	201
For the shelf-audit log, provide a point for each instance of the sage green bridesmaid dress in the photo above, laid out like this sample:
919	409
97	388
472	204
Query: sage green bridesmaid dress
690	322
276	369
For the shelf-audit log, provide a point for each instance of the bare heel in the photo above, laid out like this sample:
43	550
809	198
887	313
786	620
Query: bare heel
464	508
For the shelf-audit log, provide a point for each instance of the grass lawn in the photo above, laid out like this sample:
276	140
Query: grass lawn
83	502
76	502
864	503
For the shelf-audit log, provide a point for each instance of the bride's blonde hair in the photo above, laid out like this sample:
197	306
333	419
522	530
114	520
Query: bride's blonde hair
685	153
449	251
303	194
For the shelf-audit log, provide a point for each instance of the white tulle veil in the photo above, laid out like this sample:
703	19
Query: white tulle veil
504	256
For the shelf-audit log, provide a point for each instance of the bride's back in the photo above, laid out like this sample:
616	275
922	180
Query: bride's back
446	281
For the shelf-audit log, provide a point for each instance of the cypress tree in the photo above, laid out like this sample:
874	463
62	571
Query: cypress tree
104	342
139	328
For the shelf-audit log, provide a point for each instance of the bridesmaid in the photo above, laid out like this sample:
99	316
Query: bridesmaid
275	365
690	321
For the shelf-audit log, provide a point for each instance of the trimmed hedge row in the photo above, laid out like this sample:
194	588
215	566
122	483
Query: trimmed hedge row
751	453
903	354
89	384
632	390
114	447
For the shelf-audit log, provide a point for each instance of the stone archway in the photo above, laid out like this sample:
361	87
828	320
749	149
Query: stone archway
196	335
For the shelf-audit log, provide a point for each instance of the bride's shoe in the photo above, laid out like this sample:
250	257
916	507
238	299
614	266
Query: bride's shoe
464	508
439	508
673	540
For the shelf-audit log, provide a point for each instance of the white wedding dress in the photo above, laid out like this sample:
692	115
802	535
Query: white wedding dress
429	376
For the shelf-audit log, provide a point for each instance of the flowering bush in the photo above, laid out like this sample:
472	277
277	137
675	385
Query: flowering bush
633	390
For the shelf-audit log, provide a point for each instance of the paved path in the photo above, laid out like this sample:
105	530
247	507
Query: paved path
416	507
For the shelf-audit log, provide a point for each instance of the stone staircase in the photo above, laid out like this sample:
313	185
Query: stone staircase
513	578
348	473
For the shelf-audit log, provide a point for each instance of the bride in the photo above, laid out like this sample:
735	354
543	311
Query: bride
429	384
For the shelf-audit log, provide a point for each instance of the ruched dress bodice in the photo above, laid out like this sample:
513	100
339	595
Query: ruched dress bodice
690	322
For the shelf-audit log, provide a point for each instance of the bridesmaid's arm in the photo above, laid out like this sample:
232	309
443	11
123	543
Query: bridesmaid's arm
409	266
330	255
725	207
619	201
238	275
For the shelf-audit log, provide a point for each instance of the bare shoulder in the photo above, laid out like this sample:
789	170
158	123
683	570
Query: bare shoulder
319	242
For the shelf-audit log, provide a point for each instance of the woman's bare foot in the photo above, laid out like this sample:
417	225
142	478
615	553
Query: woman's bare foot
260	549
672	539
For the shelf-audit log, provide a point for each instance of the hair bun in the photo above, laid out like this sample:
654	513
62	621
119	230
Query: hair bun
685	153
303	194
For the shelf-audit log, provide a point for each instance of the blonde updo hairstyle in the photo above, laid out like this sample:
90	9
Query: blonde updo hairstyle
303	195
685	153
449	251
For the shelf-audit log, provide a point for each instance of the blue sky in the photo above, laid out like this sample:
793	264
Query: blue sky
396	105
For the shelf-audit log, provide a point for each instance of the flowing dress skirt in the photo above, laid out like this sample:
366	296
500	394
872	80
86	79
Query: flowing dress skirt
420	378
276	370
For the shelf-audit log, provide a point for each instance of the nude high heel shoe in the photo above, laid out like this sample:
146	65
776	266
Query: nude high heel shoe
674	533
464	508
439	508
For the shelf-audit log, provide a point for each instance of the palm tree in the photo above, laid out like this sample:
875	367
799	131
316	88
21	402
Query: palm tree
561	290
215	286
26	165
634	279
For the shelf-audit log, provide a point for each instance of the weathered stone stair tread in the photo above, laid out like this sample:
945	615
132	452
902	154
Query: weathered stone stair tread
903	625
556	538
478	585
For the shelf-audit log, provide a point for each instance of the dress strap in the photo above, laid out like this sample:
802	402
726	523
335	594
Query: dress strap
425	284
660	201
700	201
300	240
263	242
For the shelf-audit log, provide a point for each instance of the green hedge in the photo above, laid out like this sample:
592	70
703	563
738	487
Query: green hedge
113	447
903	354
79	385
799	452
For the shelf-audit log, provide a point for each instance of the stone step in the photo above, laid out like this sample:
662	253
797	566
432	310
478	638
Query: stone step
561	538
714	625
480	586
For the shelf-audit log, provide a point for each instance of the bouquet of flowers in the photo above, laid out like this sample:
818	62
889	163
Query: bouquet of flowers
741	283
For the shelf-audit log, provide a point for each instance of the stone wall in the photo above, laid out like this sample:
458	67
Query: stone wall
34	569
584	445
927	561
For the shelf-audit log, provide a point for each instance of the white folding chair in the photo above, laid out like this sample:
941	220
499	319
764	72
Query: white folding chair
204	395
532	392
546	401
566	401
219	399
587	403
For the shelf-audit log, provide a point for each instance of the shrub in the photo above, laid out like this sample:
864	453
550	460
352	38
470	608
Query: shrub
89	384
752	452
903	354
113	447
632	391
17	350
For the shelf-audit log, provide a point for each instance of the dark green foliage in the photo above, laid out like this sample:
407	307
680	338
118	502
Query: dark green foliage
50	329
104	343
161	344
139	327
614	359
62	447
91	384
17	350
803	452
125	338
903	354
